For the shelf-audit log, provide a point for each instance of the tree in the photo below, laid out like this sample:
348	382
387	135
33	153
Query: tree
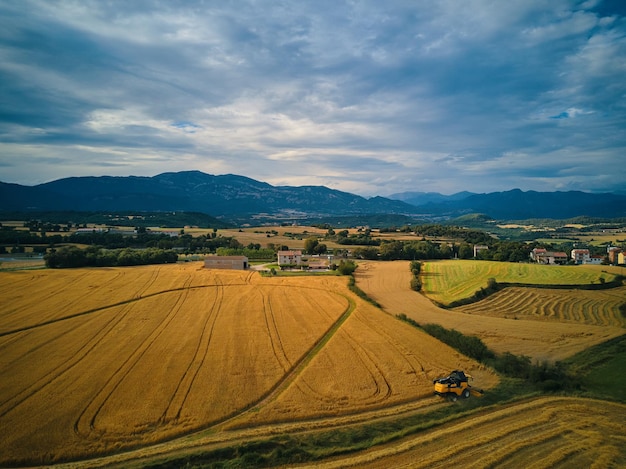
465	251
346	267
370	253
310	244
320	249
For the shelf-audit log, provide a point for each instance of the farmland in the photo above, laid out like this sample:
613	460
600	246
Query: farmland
452	280
118	366
593	307
540	433
514	330
95	361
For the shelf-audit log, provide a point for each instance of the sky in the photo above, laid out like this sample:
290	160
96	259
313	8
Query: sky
369	97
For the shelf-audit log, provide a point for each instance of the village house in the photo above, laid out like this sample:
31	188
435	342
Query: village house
226	262
289	258
613	253
543	256
595	259
580	256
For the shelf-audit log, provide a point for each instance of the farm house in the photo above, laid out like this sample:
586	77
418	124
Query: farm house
289	257
226	262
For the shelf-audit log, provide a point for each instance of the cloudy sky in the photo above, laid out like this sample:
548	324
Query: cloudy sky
370	97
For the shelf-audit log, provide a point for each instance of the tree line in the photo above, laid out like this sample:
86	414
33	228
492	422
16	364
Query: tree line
93	256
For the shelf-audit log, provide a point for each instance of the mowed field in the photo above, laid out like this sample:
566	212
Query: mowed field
447	281
593	307
514	327
96	361
539	433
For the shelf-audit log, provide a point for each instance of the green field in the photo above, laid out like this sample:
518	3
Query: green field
448	281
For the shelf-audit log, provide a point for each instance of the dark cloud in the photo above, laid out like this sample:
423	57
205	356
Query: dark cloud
369	97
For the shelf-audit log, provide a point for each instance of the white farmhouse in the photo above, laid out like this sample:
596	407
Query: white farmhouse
289	257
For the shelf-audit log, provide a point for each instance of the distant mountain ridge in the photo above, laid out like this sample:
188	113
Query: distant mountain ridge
220	196
424	198
519	205
238	197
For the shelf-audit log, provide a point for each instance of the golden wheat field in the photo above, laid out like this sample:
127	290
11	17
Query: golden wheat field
389	284
540	433
95	361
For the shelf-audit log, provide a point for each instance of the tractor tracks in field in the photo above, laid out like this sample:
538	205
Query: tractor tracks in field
289	377
104	308
273	332
183	388
86	422
59	371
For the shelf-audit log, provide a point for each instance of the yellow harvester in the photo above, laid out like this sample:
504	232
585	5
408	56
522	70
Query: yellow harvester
455	385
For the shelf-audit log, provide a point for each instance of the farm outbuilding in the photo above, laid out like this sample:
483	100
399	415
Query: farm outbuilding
226	262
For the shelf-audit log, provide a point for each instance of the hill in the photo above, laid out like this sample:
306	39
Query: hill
220	196
520	205
245	200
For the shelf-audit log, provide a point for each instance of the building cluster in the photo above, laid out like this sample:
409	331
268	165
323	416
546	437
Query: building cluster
293	259
286	260
577	256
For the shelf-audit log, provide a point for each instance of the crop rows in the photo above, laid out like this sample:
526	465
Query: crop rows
389	284
542	433
600	307
447	281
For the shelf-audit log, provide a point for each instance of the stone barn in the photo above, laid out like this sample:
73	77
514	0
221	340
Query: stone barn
226	262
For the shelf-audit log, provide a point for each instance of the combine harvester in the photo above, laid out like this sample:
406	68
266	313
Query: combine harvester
455	385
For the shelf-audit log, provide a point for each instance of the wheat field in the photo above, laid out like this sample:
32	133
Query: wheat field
95	361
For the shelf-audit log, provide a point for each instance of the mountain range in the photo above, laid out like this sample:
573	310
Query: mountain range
242	198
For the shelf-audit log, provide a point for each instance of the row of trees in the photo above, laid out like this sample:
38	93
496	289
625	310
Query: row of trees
72	256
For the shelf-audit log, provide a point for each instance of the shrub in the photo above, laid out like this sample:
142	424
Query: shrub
346	267
416	284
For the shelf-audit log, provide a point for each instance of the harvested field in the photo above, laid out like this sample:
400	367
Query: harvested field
540	433
389	284
447	281
594	307
95	361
